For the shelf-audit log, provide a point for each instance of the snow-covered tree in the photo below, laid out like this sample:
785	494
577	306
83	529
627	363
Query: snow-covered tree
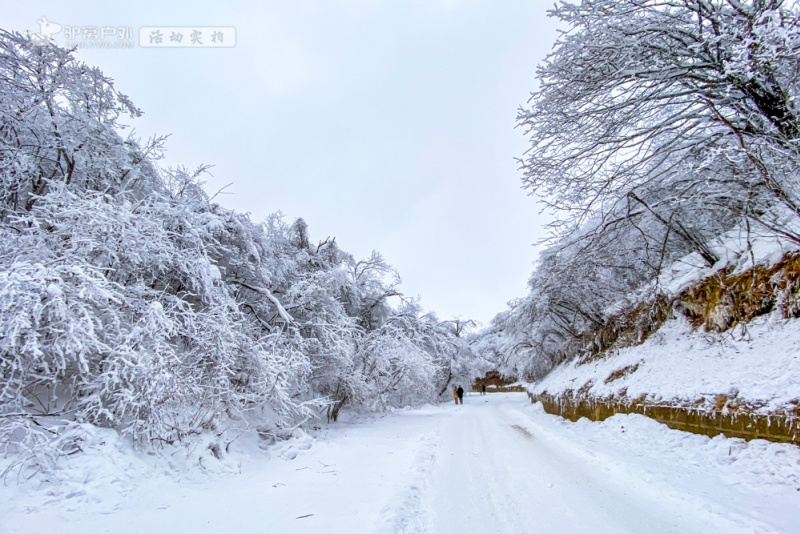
129	300
657	126
699	95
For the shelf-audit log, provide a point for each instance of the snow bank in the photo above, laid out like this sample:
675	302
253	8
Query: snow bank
758	363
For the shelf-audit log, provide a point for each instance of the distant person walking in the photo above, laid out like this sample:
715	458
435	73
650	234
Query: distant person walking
483	389
460	395
455	395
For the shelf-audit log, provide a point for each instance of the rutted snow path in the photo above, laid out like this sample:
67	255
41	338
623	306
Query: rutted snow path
500	472
495	464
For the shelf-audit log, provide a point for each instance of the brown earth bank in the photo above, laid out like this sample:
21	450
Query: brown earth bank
716	304
493	379
497	383
721	416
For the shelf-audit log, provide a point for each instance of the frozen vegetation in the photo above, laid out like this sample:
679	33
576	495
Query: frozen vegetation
130	301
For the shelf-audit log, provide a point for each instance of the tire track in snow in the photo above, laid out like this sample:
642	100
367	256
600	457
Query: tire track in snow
407	512
525	432
470	490
493	468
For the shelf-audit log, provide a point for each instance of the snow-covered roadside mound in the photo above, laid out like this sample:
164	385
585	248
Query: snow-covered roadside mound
758	364
104	469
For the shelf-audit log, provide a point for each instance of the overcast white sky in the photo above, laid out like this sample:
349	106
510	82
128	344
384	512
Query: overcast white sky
386	123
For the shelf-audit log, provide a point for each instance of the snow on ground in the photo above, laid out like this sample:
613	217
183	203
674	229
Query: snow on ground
495	464
758	363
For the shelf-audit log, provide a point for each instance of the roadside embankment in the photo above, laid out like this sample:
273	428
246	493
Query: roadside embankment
736	423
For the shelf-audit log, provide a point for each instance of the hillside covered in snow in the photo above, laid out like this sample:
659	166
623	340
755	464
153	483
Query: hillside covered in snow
665	138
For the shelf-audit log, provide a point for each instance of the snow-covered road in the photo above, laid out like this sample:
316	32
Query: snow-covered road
515	474
495	464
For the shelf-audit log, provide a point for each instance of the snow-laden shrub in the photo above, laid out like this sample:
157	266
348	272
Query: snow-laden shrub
108	309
